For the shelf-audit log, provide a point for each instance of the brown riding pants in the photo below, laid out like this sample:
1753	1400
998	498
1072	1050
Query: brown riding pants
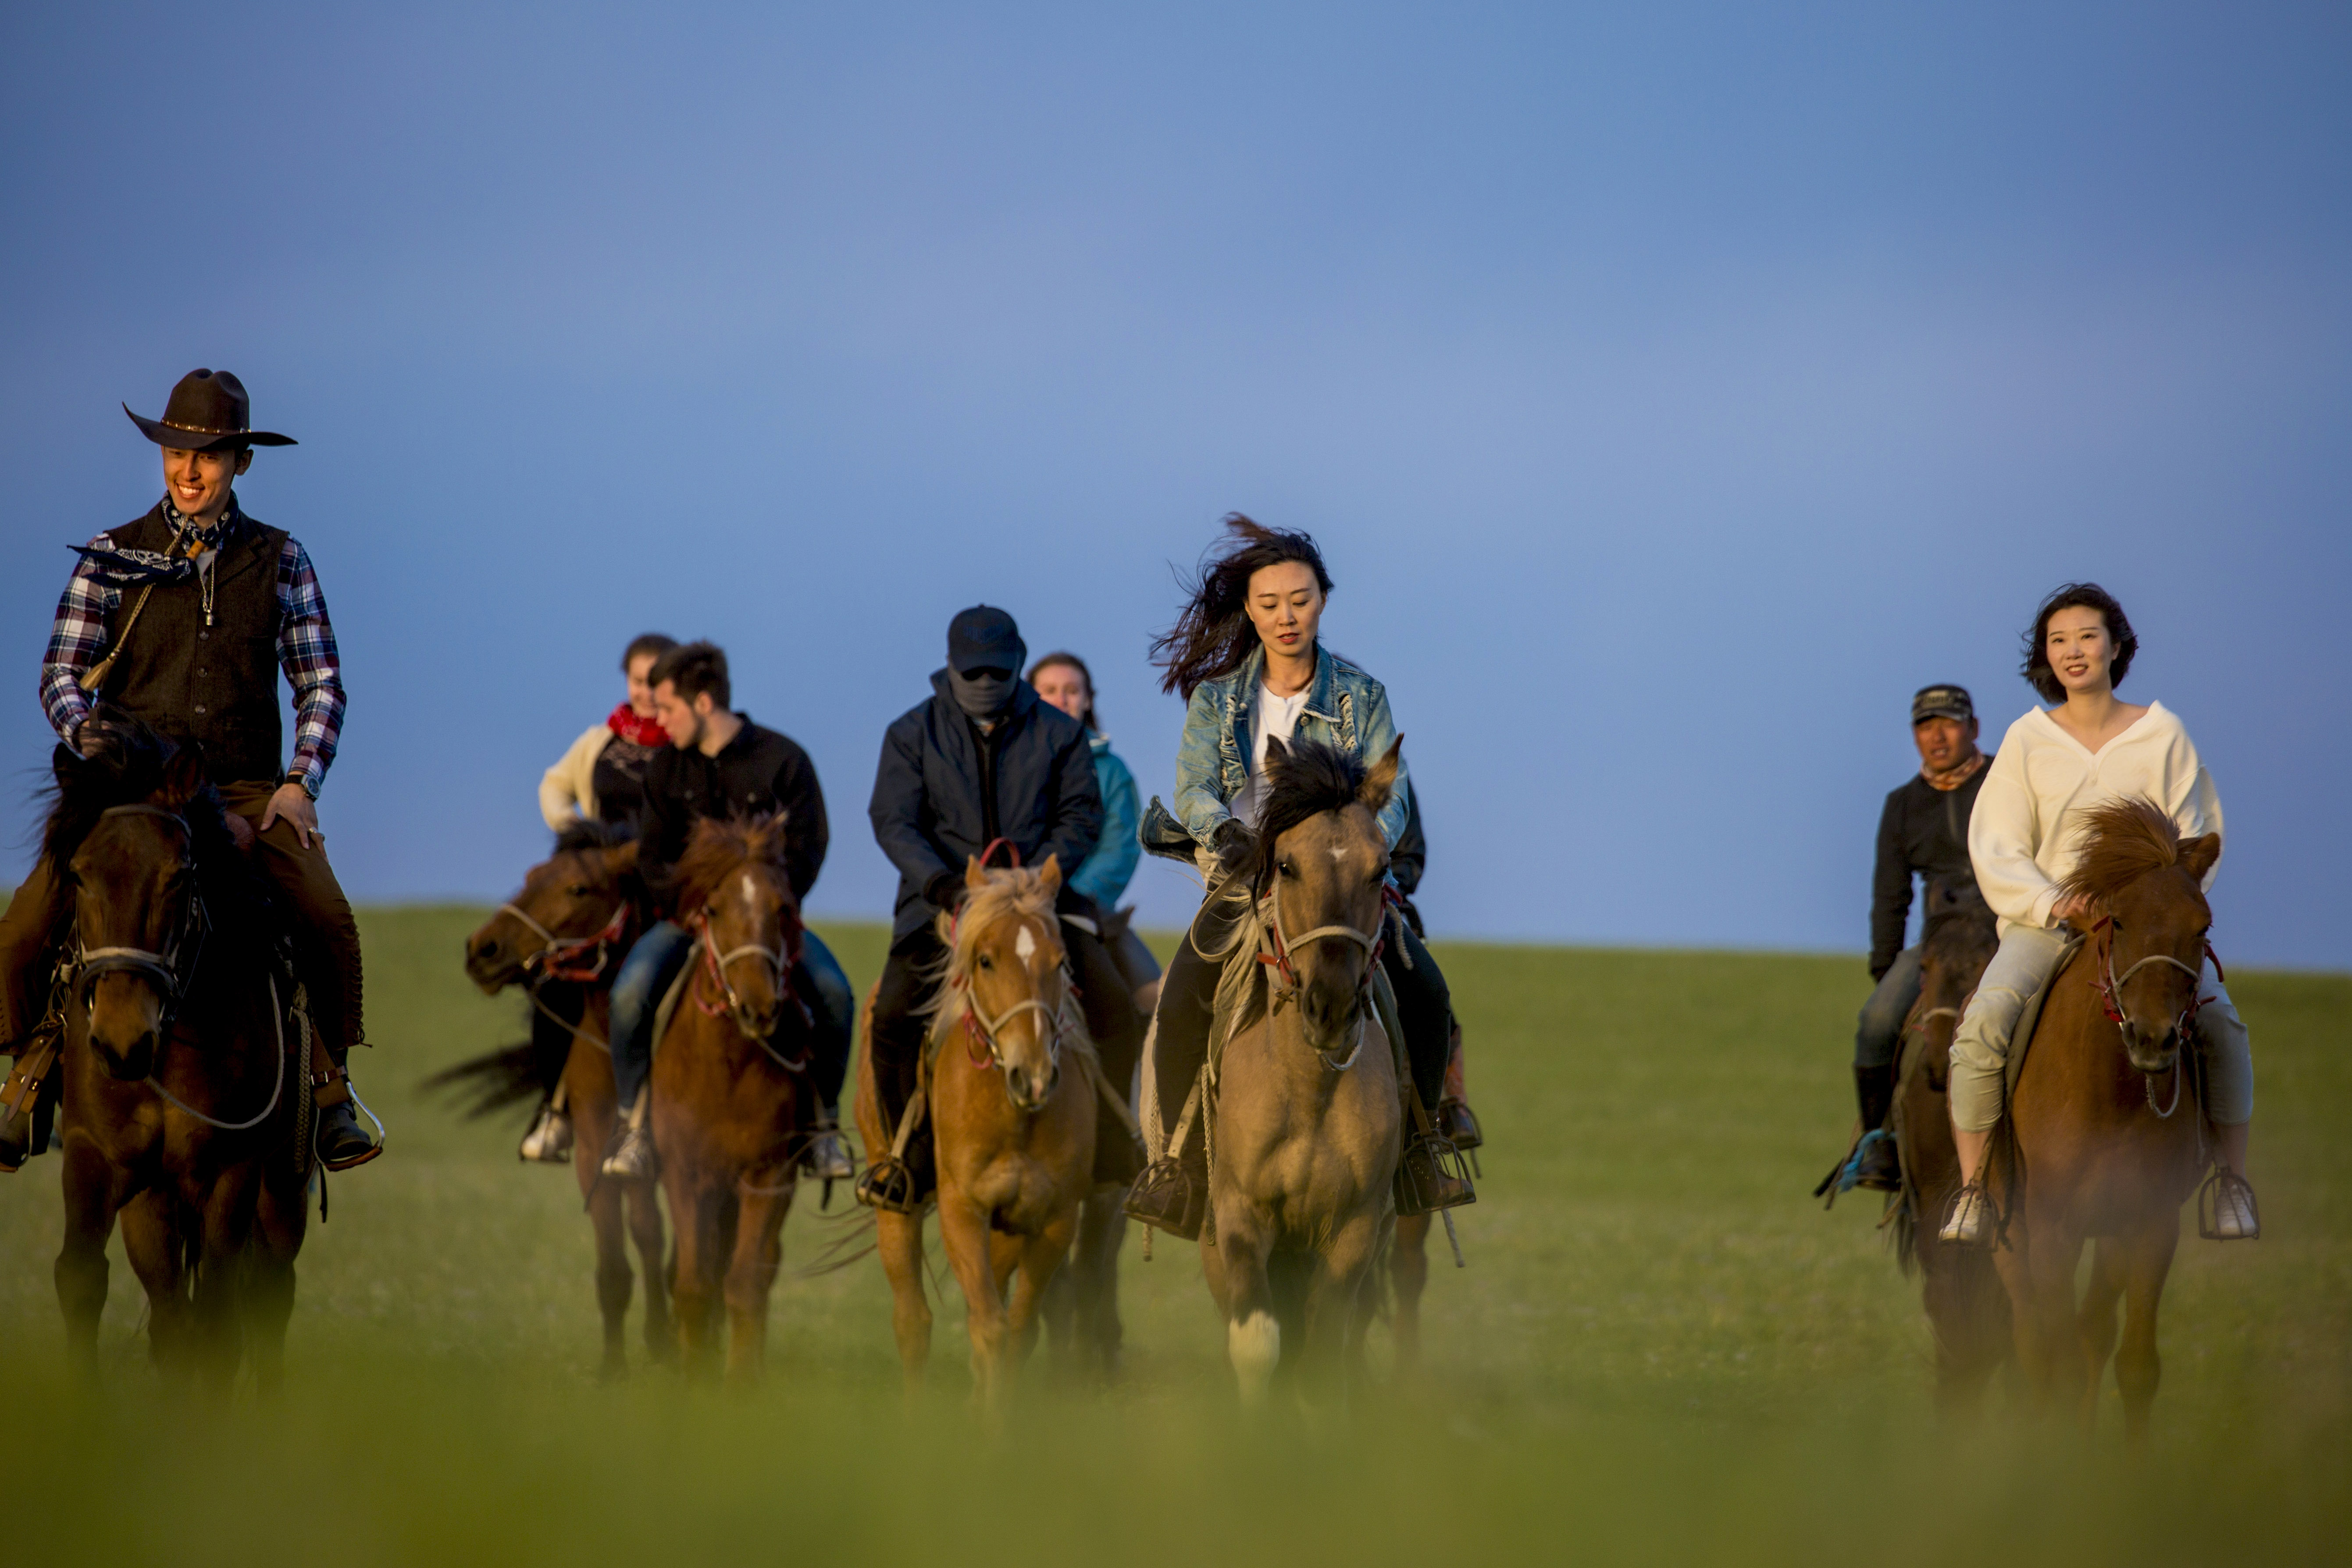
326	937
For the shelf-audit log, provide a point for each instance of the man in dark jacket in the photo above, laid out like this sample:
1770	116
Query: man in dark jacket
720	765
1923	832
983	759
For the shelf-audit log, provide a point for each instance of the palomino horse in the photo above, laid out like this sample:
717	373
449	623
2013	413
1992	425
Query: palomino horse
1966	1306
728	1101
1306	1124
561	938
1013	1134
185	1108
2097	1149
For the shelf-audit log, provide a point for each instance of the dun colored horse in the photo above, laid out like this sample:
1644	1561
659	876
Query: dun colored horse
1012	1133
185	1087
729	1104
1966	1306
2098	1150
561	938
1306	1122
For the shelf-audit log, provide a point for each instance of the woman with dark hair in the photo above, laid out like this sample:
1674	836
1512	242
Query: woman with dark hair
2087	751
1247	656
603	777
1064	681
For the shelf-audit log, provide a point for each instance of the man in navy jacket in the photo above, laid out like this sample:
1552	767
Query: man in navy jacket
981	760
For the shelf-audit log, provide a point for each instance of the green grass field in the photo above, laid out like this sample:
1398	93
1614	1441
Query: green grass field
1661	1350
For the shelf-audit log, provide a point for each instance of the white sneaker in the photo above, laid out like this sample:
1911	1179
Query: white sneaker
632	1160
1964	1222
549	1142
2235	1216
827	1156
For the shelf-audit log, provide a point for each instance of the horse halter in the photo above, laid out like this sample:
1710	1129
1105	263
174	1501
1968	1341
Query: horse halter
716	963
2110	983
561	957
979	1030
1279	958
163	970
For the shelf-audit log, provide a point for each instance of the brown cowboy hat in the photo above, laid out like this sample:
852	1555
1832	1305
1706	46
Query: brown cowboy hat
209	409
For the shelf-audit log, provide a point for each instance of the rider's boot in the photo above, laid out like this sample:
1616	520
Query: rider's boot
826	1155
340	1141
2236	1216
1172	1191
1876	1163
1454	1118
1432	1176
631	1157
549	1142
16	1132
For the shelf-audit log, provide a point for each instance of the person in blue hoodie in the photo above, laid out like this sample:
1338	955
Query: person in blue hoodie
1064	681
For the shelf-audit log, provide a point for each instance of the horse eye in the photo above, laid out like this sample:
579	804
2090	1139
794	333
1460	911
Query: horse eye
986	961
577	890
1288	869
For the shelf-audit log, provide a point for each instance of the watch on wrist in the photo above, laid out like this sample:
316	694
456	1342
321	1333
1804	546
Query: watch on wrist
301	780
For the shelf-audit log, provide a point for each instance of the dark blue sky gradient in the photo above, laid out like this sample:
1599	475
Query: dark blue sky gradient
1674	389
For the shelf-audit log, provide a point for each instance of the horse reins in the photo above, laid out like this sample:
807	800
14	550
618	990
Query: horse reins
2109	983
559	958
1279	960
716	963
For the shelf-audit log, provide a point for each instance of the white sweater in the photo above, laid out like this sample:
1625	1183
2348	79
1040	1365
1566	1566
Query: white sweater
2023	836
567	792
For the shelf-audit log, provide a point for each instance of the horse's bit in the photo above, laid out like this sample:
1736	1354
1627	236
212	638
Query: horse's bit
163	970
1279	962
2110	983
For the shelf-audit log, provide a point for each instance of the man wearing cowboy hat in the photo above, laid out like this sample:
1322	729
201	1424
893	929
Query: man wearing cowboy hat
183	619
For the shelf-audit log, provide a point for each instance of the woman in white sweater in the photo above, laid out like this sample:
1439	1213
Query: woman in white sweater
601	778
2054	765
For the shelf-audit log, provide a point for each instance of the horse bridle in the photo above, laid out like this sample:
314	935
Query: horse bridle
165	971
558	957
1279	960
979	1030
2110	983
780	967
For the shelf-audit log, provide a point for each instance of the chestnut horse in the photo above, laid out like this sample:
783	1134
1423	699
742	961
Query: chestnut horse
1013	1133
2095	1151
1967	1308
185	1090
1306	1124
561	938
729	1108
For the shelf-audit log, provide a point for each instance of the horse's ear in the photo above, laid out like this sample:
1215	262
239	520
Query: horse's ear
1050	873
2197	856
974	876
183	775
1380	783
64	764
1277	755
622	857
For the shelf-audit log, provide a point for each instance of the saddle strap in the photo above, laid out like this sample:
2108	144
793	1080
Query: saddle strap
329	1085
96	676
917	1104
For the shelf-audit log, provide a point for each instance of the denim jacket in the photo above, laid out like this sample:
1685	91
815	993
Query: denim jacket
1345	707
1105	874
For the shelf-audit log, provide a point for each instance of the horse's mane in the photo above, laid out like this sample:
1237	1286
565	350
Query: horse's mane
122	762
583	833
2123	841
1010	890
1957	916
719	848
1311	779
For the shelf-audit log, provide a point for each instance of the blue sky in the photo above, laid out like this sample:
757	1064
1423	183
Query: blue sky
1674	389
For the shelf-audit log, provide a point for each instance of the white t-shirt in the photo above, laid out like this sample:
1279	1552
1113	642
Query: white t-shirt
1271	717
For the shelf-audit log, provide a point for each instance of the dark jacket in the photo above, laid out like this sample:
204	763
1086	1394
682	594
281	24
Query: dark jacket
754	774
942	792
1409	857
1923	832
214	684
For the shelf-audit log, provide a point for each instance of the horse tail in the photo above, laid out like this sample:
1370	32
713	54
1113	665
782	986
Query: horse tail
492	1082
854	1226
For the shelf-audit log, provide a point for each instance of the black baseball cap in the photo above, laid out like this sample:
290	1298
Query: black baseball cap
1942	702
985	638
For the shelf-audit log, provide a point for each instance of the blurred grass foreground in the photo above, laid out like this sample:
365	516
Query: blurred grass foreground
1661	1350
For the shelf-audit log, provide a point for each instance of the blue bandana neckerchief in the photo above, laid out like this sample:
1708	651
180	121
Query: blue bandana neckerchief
190	558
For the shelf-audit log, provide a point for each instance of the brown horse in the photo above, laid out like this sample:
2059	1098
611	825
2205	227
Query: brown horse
1013	1133
1966	1306
2096	1152
728	1101
561	938
185	1108
1306	1122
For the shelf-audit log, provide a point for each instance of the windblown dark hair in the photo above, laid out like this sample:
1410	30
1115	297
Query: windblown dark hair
1308	779
585	833
2070	595
1075	662
653	643
694	668
1214	634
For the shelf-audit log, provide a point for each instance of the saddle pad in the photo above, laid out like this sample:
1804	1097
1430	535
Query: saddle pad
677	990
2028	1016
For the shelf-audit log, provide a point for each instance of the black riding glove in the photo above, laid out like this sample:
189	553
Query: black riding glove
945	890
1235	847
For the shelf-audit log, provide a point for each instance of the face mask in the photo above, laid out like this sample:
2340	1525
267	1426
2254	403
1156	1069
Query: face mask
983	694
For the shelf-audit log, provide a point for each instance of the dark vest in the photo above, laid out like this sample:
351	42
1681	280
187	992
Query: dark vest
216	684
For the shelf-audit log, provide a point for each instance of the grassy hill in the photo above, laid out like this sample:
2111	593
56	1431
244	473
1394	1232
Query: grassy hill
1661	1350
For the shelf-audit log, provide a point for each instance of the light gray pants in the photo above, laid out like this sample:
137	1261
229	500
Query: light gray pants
2026	961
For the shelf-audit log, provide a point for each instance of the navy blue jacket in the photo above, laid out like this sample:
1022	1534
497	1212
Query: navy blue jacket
932	807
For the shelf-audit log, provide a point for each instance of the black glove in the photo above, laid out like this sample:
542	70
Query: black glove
1235	847
945	890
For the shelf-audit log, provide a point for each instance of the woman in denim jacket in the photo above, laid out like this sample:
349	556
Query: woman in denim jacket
1248	659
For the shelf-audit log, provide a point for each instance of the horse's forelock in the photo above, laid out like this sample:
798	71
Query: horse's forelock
719	848
2123	841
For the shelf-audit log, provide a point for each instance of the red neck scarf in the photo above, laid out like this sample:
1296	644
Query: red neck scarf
625	723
